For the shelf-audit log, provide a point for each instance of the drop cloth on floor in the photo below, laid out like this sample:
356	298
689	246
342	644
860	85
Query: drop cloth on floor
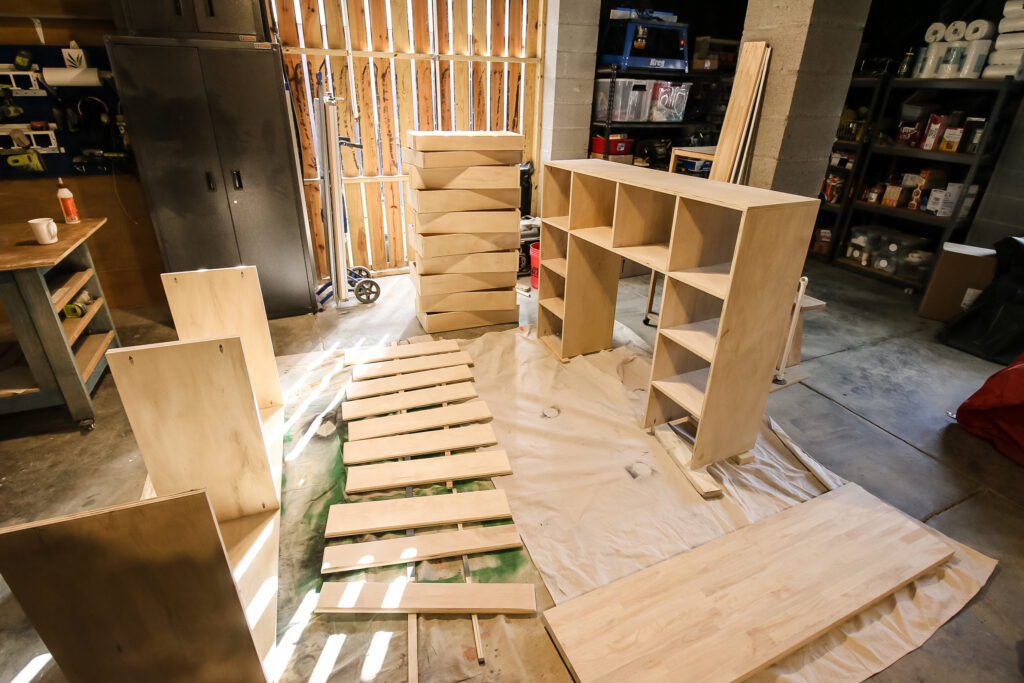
595	497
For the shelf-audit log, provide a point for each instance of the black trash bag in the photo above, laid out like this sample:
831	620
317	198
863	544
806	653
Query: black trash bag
993	326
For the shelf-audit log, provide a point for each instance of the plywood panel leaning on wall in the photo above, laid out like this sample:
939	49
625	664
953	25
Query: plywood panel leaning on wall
224	302
137	592
465	222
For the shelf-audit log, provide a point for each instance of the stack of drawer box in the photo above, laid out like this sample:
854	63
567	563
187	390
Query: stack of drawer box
463	210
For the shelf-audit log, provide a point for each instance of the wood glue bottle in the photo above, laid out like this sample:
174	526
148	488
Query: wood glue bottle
67	202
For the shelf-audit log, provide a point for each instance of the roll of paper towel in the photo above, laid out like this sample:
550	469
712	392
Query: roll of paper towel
974	62
1003	57
1011	24
74	77
1010	41
980	29
931	60
935	33
956	31
1013	8
952	62
1001	71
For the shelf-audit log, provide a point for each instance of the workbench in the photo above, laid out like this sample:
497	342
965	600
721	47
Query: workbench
56	360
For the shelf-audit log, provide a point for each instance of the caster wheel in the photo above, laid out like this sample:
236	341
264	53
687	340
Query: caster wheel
647	321
367	291
87	425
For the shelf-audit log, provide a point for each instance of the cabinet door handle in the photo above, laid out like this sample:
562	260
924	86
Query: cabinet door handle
177	7
210	184
237	176
209	7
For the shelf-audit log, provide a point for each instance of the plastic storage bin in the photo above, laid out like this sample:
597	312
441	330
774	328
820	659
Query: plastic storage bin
668	100
632	99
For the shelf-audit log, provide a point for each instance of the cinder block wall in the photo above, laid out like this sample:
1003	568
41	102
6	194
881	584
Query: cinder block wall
570	54
814	45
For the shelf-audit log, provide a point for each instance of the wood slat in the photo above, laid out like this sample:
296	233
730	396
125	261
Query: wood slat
352	556
726	610
377	354
340	597
532	78
515	71
421	443
496	119
424	84
419	420
89	352
460	70
479	69
408	365
415	380
741	100
73	327
390	475
444	68
407	400
376	516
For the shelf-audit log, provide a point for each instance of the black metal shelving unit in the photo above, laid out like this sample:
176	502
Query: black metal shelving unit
939	228
614	72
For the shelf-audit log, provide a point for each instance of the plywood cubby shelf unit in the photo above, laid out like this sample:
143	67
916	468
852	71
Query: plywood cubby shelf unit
731	256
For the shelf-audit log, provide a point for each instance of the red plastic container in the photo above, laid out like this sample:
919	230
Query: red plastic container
534	265
615	146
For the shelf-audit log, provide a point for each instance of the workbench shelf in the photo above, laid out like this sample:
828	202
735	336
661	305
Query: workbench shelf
731	255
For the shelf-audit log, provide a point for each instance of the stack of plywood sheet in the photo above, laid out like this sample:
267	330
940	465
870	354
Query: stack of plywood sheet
464	226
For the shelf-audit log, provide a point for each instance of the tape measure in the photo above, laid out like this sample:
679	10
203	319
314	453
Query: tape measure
73	311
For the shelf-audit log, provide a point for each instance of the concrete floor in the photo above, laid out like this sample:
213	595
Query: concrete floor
873	410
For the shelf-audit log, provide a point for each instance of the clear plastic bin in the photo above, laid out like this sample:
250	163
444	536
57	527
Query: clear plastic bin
632	99
668	100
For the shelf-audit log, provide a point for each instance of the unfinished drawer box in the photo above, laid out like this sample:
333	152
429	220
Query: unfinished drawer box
487	300
460	282
463	140
491	262
432	201
432	246
497	157
457	222
464	178
443	322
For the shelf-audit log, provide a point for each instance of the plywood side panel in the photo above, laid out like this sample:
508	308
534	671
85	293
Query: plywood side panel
765	270
726	610
461	282
138	592
226	302
461	320
741	100
191	407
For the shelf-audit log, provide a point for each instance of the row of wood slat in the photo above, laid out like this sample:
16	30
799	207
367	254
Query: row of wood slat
376	110
387	382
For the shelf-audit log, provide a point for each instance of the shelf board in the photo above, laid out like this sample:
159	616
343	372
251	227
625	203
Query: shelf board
560	222
711	279
849	145
16	380
698	337
66	289
686	390
905	214
556	305
850	264
828	206
639	124
73	327
915	153
948	83
90	351
555	265
602	236
651	255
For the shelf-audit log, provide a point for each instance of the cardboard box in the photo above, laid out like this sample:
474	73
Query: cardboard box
959	272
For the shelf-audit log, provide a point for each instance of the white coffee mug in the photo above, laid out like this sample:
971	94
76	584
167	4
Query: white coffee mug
45	230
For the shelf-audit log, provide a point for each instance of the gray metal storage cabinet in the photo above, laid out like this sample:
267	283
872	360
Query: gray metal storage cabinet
212	131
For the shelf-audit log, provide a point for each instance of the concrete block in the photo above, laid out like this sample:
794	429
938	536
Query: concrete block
762	170
853	14
579	12
831	50
819	95
764	13
576	115
799	177
573	90
574	38
575	64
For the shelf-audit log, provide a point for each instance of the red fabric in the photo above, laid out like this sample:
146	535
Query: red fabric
996	411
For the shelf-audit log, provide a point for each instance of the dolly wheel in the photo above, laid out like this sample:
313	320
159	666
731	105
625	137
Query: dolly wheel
361	272
367	291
